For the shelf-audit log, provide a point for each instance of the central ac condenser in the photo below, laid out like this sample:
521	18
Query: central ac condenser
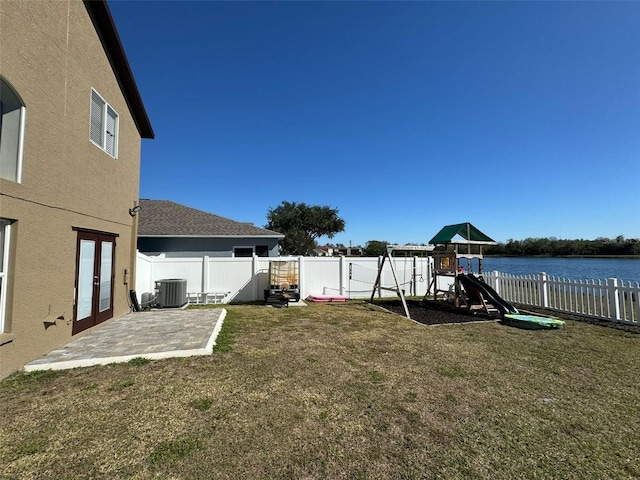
171	293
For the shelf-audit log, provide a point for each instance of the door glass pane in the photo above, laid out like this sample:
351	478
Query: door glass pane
85	278
105	276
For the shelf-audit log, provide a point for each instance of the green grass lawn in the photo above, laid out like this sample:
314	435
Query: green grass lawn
339	391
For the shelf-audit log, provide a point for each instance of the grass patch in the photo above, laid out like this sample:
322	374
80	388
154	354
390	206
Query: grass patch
138	361
30	446
377	377
452	371
227	334
122	385
202	404
340	391
172	450
35	376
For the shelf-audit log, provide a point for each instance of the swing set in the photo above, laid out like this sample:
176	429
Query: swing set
389	254
448	247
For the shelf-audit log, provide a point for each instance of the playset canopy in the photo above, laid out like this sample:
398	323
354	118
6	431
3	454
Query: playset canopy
461	233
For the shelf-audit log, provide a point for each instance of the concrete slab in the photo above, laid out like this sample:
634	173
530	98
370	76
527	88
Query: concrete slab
153	335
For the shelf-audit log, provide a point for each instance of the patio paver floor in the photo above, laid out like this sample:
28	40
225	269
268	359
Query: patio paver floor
153	335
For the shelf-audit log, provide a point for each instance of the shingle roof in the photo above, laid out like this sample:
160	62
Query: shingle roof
166	218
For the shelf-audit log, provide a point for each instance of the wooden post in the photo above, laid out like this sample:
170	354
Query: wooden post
376	285
395	277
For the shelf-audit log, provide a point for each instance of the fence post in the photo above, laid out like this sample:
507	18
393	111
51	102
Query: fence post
342	273
614	298
254	276
544	289
152	282
496	281
414	284
301	276
205	274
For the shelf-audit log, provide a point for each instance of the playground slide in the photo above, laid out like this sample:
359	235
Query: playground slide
471	281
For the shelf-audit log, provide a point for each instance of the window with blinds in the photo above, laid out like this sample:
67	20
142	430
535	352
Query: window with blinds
103	125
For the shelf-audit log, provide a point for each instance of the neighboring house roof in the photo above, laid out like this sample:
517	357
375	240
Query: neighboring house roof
461	233
163	218
104	25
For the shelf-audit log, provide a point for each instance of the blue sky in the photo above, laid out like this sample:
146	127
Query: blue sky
522	118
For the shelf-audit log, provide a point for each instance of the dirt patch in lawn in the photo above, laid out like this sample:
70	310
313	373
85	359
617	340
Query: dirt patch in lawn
433	313
440	313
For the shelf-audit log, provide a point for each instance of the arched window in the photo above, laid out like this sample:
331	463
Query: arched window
12	121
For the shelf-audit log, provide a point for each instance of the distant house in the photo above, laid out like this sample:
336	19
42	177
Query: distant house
348	251
71	126
326	251
173	230
323	251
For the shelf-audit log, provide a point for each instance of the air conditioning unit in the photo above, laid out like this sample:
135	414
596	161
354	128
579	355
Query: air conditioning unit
171	292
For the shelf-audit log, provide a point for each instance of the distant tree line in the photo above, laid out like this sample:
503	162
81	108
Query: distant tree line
554	247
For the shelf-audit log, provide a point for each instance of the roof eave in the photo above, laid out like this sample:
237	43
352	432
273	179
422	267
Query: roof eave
209	236
466	242
105	27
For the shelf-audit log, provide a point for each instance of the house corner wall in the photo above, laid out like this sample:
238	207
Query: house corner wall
53	56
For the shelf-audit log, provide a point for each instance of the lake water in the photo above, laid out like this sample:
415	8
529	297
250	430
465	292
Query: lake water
570	268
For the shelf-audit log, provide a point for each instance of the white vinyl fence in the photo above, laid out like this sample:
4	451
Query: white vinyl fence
224	280
611	299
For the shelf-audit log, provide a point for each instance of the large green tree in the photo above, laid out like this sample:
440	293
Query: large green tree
302	224
375	248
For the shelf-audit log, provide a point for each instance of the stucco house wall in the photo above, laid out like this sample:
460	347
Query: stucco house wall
53	55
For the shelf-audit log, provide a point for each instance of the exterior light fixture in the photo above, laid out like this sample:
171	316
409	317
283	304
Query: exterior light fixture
133	211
